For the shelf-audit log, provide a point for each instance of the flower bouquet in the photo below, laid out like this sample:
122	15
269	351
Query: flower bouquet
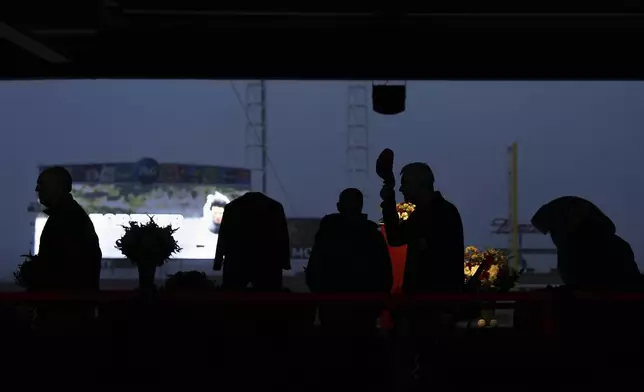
488	271
404	210
148	246
30	274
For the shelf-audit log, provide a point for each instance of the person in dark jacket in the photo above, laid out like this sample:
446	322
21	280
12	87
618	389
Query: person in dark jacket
433	234
349	255
69	254
69	247
253	244
590	255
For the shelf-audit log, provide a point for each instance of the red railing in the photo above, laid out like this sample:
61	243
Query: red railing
544	302
502	299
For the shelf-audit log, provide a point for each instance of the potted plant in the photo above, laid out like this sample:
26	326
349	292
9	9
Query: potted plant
148	246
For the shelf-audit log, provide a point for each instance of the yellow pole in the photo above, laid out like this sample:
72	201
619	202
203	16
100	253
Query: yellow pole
516	251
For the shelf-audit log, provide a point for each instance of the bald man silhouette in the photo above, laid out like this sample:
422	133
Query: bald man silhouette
69	246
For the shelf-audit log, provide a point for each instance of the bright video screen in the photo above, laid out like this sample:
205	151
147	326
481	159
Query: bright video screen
196	209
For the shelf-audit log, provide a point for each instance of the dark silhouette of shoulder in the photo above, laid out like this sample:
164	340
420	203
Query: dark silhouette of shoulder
340	225
446	207
254	197
339	219
253	225
71	218
349	254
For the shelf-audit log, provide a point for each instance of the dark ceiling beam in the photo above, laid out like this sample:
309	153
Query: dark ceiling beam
31	45
206	13
65	33
530	6
151	18
429	46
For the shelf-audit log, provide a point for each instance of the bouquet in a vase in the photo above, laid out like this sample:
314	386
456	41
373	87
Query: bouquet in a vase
488	270
148	246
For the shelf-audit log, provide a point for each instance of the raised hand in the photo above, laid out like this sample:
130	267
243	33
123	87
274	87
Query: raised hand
385	167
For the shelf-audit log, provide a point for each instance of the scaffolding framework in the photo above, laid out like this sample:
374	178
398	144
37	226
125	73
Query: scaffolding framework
256	141
357	152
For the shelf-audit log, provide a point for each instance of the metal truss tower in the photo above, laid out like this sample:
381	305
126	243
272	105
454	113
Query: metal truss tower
256	146
357	160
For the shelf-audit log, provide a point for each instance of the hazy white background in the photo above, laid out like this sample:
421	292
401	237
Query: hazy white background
579	138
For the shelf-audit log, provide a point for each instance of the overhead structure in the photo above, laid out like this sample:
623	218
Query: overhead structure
30	45
255	134
357	150
176	39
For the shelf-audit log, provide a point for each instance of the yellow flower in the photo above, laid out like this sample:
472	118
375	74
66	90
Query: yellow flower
493	271
470	271
405	210
474	258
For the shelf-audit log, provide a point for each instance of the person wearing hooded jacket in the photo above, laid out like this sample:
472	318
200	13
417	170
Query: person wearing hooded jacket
349	255
590	255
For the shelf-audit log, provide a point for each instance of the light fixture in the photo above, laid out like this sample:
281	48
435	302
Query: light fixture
389	99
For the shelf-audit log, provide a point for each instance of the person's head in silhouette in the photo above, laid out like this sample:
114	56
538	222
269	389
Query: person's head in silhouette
350	202
417	183
569	217
54	184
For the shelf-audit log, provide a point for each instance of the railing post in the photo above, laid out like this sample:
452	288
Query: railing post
548	323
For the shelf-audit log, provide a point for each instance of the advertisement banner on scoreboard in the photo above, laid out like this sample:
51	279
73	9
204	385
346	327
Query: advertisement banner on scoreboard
148	171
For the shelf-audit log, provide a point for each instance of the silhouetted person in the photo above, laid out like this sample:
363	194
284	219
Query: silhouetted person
590	256
253	244
350	255
71	259
433	234
69	246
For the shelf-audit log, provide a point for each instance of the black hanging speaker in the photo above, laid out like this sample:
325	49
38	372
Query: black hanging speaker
389	99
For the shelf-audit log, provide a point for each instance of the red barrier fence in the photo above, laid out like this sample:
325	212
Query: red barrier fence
544	307
286	298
